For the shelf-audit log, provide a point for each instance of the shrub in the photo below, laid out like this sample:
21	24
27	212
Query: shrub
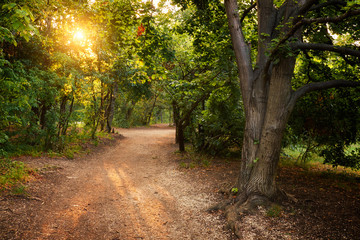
12	175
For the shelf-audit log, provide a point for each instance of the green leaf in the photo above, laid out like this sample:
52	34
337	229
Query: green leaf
9	6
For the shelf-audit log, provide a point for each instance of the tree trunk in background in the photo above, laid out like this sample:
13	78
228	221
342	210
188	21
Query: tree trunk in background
171	117
150	113
176	115
67	118
180	137
104	103
42	117
111	108
62	113
129	111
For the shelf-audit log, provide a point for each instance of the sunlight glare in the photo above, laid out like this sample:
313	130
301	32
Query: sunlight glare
79	35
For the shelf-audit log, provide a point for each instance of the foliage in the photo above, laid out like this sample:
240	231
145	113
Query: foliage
12	174
192	159
327	121
203	88
16	20
66	64
220	123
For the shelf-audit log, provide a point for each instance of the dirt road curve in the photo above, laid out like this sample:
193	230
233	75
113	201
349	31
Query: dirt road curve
131	190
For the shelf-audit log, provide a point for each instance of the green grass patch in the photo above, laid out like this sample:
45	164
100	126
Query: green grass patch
77	144
72	150
104	135
341	177
13	175
191	159
300	155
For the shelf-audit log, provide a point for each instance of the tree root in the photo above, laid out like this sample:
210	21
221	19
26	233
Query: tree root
236	209
220	206
247	204
240	209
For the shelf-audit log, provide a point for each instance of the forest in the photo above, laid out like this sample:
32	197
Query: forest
258	80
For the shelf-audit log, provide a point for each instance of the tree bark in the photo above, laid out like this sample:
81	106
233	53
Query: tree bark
180	137
266	110
67	119
260	160
150	113
129	111
111	108
267	94
176	115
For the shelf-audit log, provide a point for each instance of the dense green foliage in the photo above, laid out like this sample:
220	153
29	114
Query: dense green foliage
12	175
327	122
69	69
62	68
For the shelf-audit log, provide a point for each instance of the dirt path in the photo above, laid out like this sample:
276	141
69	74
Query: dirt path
131	190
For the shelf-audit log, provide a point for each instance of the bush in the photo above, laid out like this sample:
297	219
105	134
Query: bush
12	175
219	127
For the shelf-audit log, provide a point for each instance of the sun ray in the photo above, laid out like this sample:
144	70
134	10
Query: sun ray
79	35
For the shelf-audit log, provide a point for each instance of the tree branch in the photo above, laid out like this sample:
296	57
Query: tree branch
336	19
322	86
246	11
306	6
241	49
303	21
325	47
184	121
328	3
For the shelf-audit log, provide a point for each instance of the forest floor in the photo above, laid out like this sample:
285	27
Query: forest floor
137	187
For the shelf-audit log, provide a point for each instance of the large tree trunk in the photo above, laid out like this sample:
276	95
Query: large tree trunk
267	95
267	98
261	154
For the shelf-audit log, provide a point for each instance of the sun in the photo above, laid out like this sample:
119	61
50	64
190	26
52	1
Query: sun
79	35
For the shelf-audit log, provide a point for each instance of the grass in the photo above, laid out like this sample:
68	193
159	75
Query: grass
291	156
104	135
342	177
13	175
191	159
72	150
295	153
75	143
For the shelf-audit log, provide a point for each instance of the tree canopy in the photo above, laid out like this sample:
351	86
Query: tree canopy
250	76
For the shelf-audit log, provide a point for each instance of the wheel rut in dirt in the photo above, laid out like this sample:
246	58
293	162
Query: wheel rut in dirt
131	190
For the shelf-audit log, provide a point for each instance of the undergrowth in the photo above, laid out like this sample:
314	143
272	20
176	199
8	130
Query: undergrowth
13	175
191	159
342	177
